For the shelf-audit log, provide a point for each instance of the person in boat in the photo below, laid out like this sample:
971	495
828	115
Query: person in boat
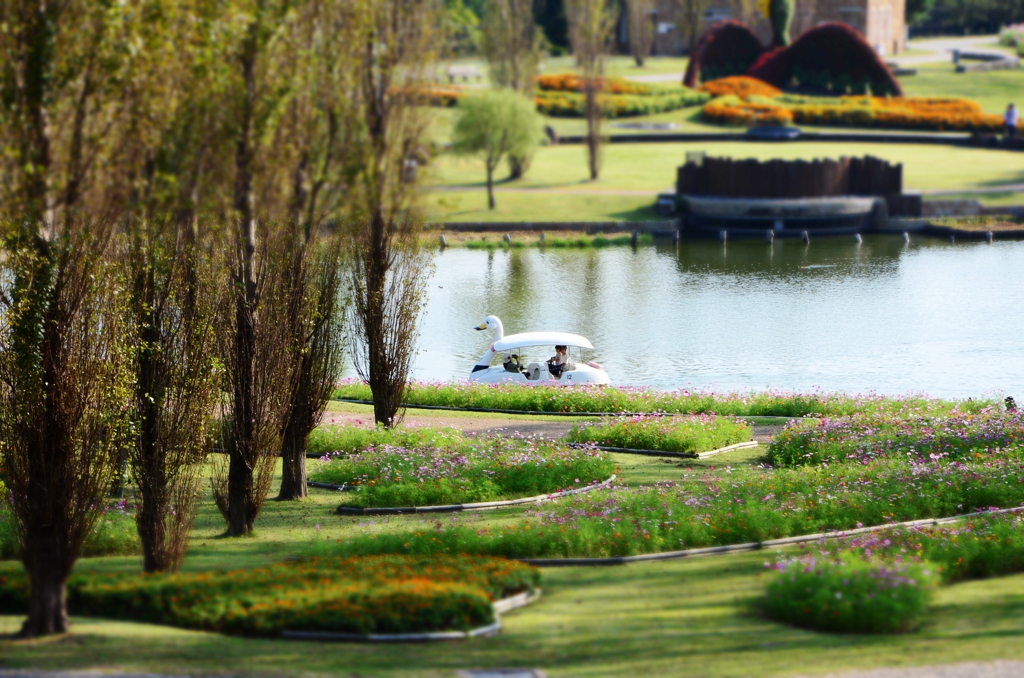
512	364
559	362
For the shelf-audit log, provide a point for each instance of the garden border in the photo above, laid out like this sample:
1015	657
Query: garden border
753	545
500	607
676	455
447	408
478	506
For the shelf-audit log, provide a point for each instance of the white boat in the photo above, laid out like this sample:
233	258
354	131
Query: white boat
516	368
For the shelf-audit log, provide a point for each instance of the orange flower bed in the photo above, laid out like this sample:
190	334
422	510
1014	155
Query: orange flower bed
372	594
731	110
569	82
859	111
739	85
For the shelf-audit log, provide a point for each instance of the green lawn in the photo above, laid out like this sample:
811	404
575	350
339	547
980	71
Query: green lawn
561	191
992	89
676	618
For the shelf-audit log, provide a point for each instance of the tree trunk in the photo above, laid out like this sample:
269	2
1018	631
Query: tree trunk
46	563
490	186
517	167
293	459
387	395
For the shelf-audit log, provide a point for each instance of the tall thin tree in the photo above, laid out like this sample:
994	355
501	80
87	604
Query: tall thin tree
176	383
65	384
397	42
590	31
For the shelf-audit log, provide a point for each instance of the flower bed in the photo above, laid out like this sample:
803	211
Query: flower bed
850	595
709	510
392	594
472	470
864	438
583	399
739	85
332	439
694	433
853	111
573	105
561	95
986	546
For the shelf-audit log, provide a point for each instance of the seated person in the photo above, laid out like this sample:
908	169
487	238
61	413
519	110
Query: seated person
512	363
559	362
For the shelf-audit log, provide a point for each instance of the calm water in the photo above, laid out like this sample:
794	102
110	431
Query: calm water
935	317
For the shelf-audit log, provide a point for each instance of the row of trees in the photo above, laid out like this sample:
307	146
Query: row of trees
194	192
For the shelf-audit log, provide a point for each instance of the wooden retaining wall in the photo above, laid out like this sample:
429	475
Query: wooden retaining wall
728	178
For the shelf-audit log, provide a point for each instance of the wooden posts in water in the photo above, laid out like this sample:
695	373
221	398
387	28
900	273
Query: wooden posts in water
857	238
906	238
444	242
806	237
723	236
507	238
769	236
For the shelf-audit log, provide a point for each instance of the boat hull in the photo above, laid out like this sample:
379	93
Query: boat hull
537	373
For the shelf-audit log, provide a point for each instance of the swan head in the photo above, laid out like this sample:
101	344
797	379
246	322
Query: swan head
491	322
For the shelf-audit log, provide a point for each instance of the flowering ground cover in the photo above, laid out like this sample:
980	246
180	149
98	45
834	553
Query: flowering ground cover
975	548
633	399
332	439
850	595
468	470
715	508
356	595
694	433
956	434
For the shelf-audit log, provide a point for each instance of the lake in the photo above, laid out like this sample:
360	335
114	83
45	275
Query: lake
930	316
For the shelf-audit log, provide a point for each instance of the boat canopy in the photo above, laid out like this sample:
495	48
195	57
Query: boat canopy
540	339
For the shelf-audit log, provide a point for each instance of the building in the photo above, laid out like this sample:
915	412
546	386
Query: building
881	22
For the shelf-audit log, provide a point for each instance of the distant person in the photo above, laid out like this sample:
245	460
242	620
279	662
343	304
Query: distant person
558	362
1011	121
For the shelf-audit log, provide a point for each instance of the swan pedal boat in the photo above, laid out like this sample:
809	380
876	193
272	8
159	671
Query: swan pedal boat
533	372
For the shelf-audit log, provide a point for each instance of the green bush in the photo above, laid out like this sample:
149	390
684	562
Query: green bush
358	595
472	470
694	433
850	595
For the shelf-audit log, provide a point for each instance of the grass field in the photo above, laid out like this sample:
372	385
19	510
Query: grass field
676	618
557	188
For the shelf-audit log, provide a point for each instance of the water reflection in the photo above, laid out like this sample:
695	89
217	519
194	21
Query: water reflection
880	315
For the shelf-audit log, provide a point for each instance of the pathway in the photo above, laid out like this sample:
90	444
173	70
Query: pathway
996	669
942	49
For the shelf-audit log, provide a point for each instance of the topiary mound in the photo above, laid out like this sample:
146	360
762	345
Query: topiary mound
727	48
833	57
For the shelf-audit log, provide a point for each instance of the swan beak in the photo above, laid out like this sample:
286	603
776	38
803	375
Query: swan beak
481	326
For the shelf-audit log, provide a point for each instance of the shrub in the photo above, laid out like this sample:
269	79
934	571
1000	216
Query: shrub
583	399
484	469
393	594
739	85
850	595
694	433
714	510
864	438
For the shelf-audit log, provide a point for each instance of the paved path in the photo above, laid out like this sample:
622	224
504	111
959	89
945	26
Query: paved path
942	49
996	669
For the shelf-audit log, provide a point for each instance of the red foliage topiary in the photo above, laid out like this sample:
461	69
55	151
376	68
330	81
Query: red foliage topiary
831	56
727	48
